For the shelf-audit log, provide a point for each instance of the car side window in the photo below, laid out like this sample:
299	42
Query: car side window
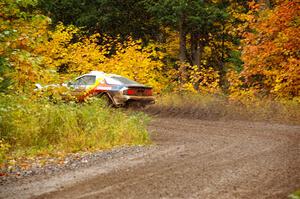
112	81
90	79
85	80
78	81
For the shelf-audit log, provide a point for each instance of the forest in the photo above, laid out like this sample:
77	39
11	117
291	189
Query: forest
245	52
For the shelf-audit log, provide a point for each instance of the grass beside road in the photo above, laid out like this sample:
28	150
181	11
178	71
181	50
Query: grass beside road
31	128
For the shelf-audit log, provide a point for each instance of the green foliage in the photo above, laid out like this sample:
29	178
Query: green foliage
33	127
5	81
111	17
235	61
295	195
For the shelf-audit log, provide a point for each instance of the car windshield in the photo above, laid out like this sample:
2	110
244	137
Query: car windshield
120	80
85	80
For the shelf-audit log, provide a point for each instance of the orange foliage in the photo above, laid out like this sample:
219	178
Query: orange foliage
271	52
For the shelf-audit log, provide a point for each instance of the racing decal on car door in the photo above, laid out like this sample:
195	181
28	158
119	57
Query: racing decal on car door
96	88
103	87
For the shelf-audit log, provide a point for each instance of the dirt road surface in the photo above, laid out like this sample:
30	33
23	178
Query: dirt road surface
190	159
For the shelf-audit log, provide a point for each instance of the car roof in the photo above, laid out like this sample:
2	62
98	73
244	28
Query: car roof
99	74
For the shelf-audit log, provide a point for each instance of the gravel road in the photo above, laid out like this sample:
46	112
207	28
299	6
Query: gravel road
190	158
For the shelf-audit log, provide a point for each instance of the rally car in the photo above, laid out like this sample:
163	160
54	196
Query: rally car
115	89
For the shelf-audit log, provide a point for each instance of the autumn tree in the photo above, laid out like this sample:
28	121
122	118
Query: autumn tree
271	51
196	19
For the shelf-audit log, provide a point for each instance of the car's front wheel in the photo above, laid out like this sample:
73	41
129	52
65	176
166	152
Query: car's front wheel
107	102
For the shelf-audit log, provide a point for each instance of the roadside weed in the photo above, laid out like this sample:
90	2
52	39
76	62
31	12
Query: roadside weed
33	128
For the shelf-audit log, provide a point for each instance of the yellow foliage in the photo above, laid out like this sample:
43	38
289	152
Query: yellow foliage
171	45
140	64
36	54
131	60
19	35
236	90
200	79
61	54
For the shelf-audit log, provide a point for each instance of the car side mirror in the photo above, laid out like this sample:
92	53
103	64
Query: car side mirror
38	86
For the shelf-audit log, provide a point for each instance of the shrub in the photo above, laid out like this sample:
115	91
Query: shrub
31	127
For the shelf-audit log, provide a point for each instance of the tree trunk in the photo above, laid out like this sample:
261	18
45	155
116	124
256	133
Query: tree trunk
182	39
195	49
222	64
182	50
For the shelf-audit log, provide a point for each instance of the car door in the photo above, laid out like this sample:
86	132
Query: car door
83	83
